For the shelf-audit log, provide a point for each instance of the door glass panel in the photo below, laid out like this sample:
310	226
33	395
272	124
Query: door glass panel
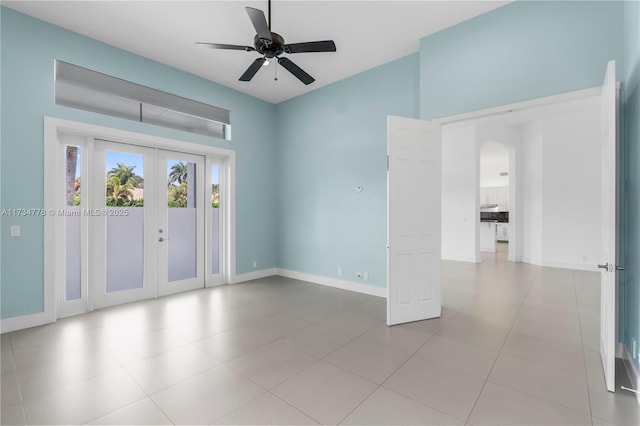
181	200
72	218
215	225
124	211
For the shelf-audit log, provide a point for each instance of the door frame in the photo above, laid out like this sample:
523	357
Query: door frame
515	159
54	196
548	101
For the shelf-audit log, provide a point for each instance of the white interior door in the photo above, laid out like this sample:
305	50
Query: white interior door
413	227
608	284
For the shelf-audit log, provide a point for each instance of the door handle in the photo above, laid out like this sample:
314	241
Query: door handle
612	267
161	239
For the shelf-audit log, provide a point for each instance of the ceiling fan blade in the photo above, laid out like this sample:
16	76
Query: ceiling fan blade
296	71
259	23
252	70
310	46
224	46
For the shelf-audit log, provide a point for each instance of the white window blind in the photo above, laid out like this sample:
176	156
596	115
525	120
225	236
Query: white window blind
82	88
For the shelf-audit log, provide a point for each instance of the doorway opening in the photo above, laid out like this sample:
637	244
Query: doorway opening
566	178
494	199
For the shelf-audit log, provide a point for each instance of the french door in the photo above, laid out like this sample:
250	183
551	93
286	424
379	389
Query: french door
180	233
123	198
148	229
134	225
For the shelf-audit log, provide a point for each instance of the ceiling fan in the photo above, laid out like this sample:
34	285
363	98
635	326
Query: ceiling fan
271	45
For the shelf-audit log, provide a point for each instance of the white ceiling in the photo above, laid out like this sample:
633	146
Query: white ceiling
366	33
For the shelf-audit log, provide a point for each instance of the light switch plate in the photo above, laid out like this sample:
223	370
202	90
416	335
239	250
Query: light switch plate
15	231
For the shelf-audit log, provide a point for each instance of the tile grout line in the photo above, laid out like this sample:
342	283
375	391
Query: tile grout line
316	361
24	411
584	361
366	398
145	392
295	408
381	385
532	280
259	385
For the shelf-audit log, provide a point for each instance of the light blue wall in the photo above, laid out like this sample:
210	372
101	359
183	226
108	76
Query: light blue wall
29	48
329	141
630	279
520	51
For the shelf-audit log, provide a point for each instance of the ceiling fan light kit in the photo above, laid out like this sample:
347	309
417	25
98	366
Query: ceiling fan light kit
272	45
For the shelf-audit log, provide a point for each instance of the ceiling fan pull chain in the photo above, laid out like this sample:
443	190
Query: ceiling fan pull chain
275	67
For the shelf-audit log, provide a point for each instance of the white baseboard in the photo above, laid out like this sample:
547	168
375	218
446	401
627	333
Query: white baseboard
254	275
333	282
455	258
630	366
27	321
8	325
561	265
532	260
570	265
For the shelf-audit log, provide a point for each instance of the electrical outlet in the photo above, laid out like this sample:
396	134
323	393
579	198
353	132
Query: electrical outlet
339	272
15	231
255	264
359	275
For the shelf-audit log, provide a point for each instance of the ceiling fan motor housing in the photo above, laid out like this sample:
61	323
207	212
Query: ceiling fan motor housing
270	50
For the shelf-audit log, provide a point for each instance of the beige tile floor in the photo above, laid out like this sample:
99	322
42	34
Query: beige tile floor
515	345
